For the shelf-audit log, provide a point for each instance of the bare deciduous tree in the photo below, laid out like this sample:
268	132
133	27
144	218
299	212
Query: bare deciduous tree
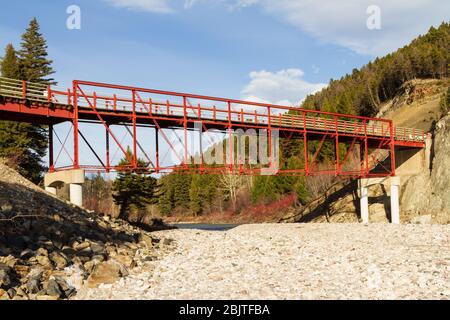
230	182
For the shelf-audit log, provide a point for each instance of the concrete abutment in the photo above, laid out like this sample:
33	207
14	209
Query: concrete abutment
75	179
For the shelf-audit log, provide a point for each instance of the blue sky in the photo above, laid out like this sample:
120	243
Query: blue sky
268	50
213	46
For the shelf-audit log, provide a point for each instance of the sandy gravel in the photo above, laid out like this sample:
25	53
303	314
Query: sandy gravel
295	261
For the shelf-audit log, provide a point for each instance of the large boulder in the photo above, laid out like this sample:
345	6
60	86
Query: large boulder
106	272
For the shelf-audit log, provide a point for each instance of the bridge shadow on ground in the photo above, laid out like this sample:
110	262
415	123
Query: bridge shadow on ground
342	200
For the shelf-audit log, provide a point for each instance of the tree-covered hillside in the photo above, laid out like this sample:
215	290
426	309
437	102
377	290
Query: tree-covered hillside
362	91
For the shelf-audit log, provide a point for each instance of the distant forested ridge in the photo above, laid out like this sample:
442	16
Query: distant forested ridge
362	91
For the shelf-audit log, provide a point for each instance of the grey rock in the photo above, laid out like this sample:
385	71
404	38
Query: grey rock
146	239
106	272
44	261
42	252
26	254
58	260
11	293
97	248
68	290
33	284
5	279
53	289
167	241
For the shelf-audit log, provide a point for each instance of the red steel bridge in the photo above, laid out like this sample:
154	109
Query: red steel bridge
108	106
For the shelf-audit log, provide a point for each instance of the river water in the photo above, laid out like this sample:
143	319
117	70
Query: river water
206	226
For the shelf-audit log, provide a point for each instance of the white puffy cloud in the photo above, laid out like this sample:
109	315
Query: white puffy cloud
155	6
284	87
345	22
339	22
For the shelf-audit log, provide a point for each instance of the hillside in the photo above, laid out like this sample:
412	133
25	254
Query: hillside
365	90
424	196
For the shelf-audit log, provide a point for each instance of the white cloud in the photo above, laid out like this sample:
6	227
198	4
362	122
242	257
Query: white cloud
345	22
338	22
284	87
156	6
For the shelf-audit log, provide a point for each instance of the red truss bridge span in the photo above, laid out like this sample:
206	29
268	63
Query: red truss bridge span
363	146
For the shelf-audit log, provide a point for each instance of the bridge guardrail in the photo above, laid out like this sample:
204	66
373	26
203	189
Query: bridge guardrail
221	110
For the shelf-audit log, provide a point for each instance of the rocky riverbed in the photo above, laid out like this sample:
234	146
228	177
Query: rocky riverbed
293	261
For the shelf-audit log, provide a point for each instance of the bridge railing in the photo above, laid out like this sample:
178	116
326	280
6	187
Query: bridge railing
20	89
148	102
166	104
212	109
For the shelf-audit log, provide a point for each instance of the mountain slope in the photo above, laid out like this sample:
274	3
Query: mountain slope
419	103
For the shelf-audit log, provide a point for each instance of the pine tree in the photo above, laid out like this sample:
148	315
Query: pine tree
34	65
195	195
133	190
22	144
10	64
166	202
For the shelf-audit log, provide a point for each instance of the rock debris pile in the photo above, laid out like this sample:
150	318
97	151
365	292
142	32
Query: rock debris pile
49	249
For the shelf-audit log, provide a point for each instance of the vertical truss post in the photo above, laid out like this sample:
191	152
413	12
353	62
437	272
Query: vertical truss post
24	89
50	148
201	149
392	140
337	146
185	131
134	130
75	126
269	132
305	144
157	148
230	138
108	164
366	150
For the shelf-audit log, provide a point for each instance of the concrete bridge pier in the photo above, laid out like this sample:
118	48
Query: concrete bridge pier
363	190
364	201
75	179
395	202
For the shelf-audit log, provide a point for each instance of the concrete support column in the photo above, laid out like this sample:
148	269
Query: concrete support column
76	194
364	202
51	190
395	204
